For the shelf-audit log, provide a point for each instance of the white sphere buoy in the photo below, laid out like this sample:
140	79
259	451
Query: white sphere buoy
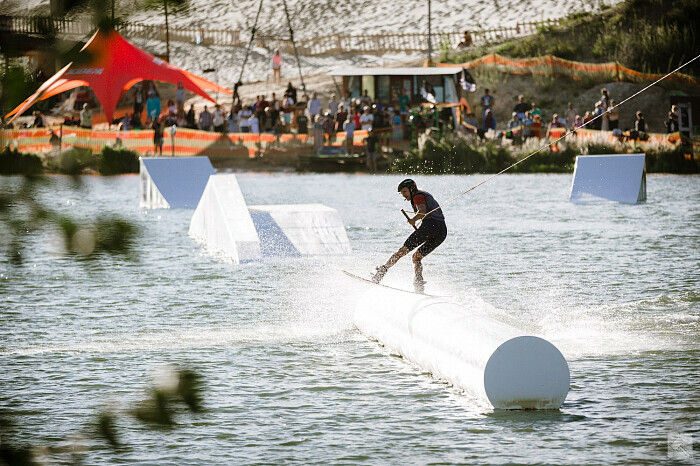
526	372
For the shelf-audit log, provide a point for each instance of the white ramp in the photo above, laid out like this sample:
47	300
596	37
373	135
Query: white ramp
487	358
304	229
619	178
222	222
173	182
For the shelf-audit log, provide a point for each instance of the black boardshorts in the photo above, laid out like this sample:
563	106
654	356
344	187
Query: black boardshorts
430	235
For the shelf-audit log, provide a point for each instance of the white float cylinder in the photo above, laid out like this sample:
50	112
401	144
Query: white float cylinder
474	352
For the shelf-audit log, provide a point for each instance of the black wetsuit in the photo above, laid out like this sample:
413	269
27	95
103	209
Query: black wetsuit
433	229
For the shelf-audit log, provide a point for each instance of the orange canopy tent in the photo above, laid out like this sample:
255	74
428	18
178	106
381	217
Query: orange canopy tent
111	66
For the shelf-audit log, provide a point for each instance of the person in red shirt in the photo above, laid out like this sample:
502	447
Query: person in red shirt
431	233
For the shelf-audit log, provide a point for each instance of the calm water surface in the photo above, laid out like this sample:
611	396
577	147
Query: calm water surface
288	379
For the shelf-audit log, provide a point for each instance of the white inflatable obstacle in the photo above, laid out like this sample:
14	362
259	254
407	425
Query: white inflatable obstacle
173	182
620	178
222	222
304	229
486	358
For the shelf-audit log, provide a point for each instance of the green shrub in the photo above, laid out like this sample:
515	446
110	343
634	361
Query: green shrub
116	161
74	161
677	160
13	162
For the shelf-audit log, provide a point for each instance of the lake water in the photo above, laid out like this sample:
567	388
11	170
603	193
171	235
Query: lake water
288	378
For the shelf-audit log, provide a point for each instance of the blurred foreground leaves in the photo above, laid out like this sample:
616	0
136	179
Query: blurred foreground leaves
24	215
174	392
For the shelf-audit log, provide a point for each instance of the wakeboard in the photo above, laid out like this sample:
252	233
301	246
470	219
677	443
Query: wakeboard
366	280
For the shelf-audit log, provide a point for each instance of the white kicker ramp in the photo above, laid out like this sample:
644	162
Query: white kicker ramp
303	229
619	178
486	358
222	222
173	182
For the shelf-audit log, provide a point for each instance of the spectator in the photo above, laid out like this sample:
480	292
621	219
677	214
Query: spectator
515	120
329	127
302	122
597	123
157	127
333	105
357	117
487	102
527	125
243	118
467	40
587	117
254	123
218	119
38	120
276	63
349	127
428	92
232	121
135	122
138	98
570	115
578	121
190	118
291	92
489	120
555	123
181	117
172	108
314	106
672	125
521	107
365	99
347	101
605	97
371	145
536	126
205	119
340	117
366	120
397	126
640	125
613	116
153	105
535	110
86	117
318	133
268	123
472	121
404	102
180	95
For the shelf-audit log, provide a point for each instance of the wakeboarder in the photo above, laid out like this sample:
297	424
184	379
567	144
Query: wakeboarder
431	233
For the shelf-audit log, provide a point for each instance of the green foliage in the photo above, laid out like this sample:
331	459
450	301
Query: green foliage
652	36
678	160
76	160
459	154
116	161
23	215
13	162
16	83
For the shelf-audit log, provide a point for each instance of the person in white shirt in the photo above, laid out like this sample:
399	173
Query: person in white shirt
219	118
243	115
366	120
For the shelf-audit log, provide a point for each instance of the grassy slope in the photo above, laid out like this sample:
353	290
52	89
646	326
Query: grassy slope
646	35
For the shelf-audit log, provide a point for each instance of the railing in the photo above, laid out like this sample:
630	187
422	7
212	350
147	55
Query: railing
323	45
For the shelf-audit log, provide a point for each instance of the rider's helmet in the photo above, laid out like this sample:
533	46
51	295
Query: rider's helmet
407	183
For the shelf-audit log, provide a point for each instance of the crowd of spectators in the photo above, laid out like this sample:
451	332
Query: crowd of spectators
528	121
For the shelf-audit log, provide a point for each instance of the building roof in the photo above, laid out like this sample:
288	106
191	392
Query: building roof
409	71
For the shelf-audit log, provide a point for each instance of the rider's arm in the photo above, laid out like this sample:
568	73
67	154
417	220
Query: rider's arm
422	209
